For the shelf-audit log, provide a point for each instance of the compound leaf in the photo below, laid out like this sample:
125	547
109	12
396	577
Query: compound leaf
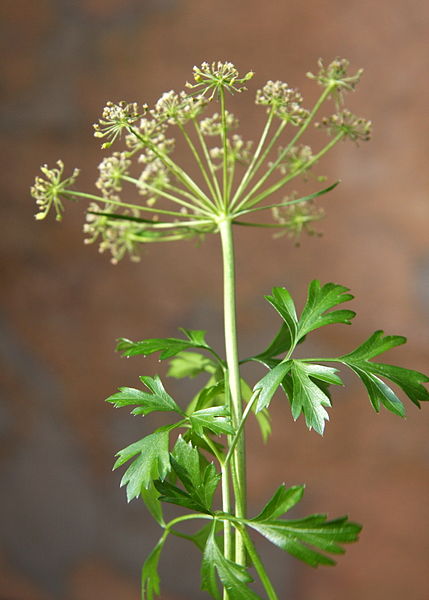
281	502
167	347
215	418
268	385
379	392
157	400
189	364
307	397
151	462
234	577
198	476
305	538
282	301
280	344
150	497
150	578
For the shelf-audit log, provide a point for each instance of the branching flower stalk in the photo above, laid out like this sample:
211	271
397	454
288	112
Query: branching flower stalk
144	195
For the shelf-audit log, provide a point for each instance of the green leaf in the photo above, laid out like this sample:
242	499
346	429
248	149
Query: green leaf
157	400
307	396
375	345
172	494
216	419
321	299
282	301
234	577
150	578
197	475
150	497
379	392
304	538
280	344
212	394
168	347
151	462
189	364
201	442
268	385
281	502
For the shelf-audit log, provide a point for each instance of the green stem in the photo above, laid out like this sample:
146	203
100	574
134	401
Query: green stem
198	161
164	194
240	427
181	175
209	162
254	163
286	203
284	180
122	204
224	135
257	563
284	152
239	466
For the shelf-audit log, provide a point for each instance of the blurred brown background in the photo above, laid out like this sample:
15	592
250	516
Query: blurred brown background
66	530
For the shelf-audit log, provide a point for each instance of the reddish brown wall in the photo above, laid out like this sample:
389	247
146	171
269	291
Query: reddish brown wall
66	529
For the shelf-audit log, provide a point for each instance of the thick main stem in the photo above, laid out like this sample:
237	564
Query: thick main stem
238	463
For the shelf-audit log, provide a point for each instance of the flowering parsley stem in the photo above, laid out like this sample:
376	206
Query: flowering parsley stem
267	150
121	204
284	152
249	171
187	181
166	195
198	160
231	178
209	161
281	204
224	132
239	468
279	184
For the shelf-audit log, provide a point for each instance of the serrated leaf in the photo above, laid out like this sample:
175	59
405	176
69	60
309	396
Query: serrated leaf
198	442
268	385
189	364
305	538
150	578
157	400
234	577
172	494
282	501
198	476
150	497
215	419
379	392
282	301
200	538
307	397
280	344
321	299
168	347
151	462
212	394
375	345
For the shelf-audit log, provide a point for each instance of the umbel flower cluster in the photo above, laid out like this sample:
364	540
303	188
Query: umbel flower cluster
145	195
